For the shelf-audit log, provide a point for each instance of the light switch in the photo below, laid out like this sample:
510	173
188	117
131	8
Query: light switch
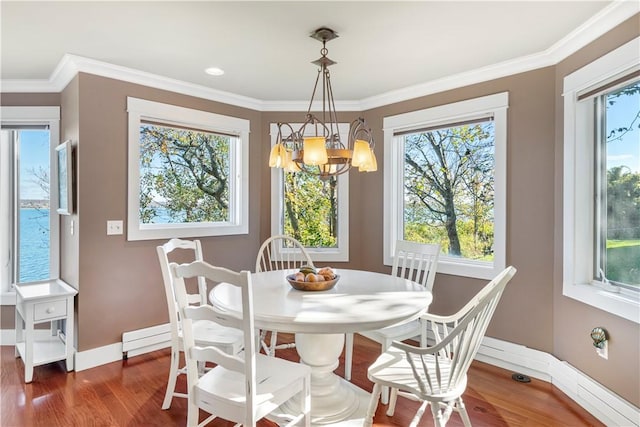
114	227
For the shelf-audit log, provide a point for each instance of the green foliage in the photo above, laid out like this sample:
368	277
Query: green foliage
622	264
183	175
612	244
311	209
619	132
623	204
449	189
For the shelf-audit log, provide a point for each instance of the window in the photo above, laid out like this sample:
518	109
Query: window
188	172
313	211
617	175
29	223
601	183
445	172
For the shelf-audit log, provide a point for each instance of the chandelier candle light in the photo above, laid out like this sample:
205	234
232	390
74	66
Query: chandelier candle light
323	153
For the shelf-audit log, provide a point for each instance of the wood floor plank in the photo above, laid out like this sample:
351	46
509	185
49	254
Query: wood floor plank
130	393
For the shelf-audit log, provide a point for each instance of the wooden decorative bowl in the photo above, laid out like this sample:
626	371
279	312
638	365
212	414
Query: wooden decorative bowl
312	286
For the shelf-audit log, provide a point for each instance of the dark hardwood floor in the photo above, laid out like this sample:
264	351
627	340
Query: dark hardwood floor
130	393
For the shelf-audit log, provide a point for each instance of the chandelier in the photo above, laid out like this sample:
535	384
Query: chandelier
316	147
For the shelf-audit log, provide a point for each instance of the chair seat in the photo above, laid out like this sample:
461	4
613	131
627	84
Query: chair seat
275	377
392	369
398	332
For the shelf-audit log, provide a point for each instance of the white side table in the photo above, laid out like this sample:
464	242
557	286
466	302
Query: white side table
50	301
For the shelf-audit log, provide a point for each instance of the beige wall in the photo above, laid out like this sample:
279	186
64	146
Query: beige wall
120	283
572	320
530	162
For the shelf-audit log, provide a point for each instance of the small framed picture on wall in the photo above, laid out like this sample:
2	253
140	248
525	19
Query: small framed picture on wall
64	156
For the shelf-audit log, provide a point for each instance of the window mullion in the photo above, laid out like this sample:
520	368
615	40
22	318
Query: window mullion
600	190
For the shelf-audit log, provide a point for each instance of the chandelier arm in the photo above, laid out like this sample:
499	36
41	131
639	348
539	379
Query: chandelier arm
290	140
357	128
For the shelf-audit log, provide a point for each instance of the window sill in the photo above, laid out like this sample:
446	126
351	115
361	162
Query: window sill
464	268
625	304
468	268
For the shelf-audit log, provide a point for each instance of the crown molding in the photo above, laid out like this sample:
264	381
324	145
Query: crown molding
70	65
604	21
304	106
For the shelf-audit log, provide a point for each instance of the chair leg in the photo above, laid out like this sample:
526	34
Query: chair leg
462	410
393	397
373	404
173	376
418	416
438	420
348	355
258	340
263	342
193	413
272	346
385	390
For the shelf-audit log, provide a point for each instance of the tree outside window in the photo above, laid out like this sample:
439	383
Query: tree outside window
314	211
449	189
184	175
619	219
311	209
445	170
188	172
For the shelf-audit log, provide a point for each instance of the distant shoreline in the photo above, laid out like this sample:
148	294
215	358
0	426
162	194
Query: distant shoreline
34	204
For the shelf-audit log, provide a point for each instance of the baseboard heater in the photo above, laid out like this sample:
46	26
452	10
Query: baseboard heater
145	340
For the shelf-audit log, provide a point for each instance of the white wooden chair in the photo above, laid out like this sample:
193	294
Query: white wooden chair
280	253
437	375
245	387
206	333
414	261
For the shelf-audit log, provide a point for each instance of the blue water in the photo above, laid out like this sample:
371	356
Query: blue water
34	244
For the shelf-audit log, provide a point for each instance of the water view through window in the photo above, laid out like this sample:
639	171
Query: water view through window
33	234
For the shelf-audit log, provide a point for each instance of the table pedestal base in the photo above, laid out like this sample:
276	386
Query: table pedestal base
334	401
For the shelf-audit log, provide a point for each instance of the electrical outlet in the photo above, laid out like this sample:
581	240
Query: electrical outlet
114	227
604	351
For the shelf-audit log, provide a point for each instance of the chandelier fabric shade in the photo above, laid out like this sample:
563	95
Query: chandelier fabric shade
322	152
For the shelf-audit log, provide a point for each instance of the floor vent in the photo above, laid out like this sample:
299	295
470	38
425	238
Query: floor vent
521	378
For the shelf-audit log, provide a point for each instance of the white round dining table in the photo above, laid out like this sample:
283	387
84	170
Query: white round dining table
360	301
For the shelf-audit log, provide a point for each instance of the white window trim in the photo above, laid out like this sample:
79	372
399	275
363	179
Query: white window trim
492	105
578	217
140	109
25	116
339	254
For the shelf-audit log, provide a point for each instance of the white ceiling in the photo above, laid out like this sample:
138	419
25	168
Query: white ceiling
264	46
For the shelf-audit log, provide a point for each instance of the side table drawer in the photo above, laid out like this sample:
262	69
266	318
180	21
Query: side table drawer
49	310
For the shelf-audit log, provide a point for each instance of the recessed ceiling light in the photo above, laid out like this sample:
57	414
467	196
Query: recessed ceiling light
214	71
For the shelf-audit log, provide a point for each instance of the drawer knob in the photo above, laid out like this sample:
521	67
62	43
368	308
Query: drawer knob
51	310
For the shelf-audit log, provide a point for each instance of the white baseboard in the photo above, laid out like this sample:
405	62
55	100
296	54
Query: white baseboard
98	356
133	344
603	404
600	402
110	353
